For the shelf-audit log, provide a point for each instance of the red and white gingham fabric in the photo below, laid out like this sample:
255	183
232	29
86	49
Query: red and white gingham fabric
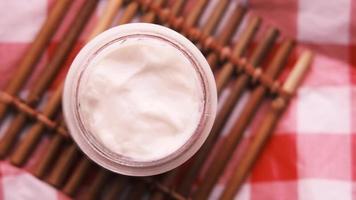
312	154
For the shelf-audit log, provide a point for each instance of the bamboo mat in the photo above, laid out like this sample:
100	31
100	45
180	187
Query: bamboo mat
252	63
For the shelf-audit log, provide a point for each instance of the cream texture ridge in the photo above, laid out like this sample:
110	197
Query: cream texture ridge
141	98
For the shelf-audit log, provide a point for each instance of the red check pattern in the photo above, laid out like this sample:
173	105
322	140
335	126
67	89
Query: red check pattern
312	154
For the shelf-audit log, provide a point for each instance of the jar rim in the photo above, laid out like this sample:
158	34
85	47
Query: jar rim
98	152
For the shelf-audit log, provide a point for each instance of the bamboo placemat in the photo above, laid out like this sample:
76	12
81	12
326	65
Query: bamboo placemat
245	65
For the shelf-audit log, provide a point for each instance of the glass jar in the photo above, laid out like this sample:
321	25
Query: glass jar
98	152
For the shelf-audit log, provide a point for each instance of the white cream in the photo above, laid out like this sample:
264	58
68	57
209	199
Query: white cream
141	98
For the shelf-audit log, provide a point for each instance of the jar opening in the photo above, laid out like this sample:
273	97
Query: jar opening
95	141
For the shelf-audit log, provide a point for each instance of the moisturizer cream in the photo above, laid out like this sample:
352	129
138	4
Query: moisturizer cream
142	98
139	99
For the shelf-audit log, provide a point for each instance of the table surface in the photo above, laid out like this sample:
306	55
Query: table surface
312	154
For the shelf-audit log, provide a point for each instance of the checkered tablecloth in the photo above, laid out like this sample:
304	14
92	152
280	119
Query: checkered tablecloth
312	155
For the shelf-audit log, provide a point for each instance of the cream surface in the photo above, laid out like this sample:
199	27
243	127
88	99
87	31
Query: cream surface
141	98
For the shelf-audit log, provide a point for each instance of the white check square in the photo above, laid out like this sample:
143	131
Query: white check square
21	20
324	110
324	21
324	189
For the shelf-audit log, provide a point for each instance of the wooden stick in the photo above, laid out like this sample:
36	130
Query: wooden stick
57	140
72	185
80	172
132	8
31	139
48	74
238	50
35	50
107	18
195	13
116	188
96	186
50	155
300	69
230	143
210	43
175	9
231	25
164	189
129	13
177	6
137	190
226	34
60	172
167	180
266	129
214	17
208	28
240	47
150	16
238	87
191	19
140	188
